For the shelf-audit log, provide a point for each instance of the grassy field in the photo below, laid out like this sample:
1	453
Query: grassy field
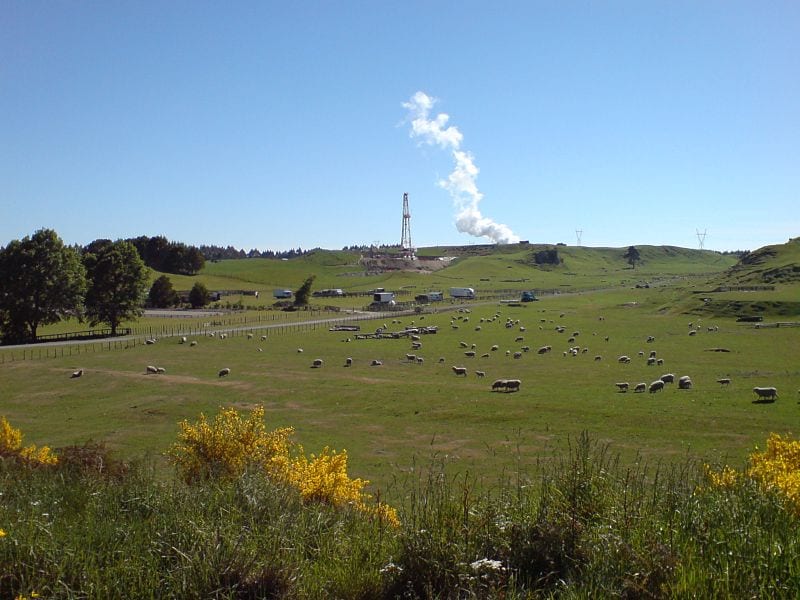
397	416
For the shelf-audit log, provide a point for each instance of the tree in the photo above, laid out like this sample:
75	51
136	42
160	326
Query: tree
198	295
632	256
43	281
117	282
303	293
162	294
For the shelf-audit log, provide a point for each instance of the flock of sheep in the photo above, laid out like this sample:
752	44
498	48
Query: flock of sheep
462	318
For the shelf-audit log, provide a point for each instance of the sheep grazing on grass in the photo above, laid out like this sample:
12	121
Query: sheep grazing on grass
498	384
624	359
765	393
420	360
651	362
668	378
724	381
442	359
640	387
543	350
469	354
463	344
480	373
685	383
249	336
76	374
416	345
263	338
182	340
299	350
650	339
150	341
411	357
193	343
598	357
224	372
460	371
519	338
512	385
317	363
517	355
622	386
151	369
376	363
160	370
495	348
656	386
348	362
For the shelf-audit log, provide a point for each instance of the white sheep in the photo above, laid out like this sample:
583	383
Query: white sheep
765	393
656	386
724	381
622	386
499	383
76	374
376	363
224	372
460	371
348	362
182	340
480	373
470	353
420	360
495	348
151	369
685	383
411	357
318	362
193	343
624	359
512	385
517	355
160	370
668	378
263	338
640	387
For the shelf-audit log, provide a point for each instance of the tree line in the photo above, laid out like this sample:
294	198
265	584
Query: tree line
45	281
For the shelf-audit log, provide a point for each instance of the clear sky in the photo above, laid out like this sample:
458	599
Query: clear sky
277	125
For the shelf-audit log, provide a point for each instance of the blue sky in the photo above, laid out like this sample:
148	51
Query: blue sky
274	125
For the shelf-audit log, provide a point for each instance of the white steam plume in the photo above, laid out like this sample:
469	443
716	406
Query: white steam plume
461	183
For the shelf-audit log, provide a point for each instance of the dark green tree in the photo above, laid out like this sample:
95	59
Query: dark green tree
117	282
632	256
198	295
303	293
43	281
162	294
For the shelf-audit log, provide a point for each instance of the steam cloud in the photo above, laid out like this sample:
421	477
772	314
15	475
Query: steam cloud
461	182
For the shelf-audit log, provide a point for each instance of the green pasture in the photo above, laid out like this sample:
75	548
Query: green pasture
393	418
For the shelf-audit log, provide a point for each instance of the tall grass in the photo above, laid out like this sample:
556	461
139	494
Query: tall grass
577	525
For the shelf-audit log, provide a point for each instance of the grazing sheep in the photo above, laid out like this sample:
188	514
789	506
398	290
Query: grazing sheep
460	371
470	353
684	383
622	386
652	354
651	362
151	369
416	345
543	350
415	338
624	359
656	386
693	332
76	374
224	372
495	348
150	342
411	357
512	385
640	387
420	360
441	359
376	363
263	338
517	355
318	362
724	381
659	361
668	378
485	355
526	348
299	350
249	336
519	338
182	340
650	339
498	383
463	344
348	362
480	373
598	357
765	393
161	370
193	343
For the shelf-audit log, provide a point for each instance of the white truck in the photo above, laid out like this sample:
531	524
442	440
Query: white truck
383	297
463	293
282	294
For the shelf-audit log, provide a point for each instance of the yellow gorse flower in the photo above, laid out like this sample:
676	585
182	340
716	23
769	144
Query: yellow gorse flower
776	469
11	444
230	444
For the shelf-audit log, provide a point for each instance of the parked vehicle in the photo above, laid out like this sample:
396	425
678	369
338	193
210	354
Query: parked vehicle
462	293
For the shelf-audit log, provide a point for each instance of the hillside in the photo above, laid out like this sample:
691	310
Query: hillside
486	268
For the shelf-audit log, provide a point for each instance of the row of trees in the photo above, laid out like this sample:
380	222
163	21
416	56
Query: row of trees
229	252
163	295
160	254
45	281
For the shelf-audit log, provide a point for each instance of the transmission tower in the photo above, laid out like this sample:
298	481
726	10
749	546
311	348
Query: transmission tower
405	238
578	234
701	237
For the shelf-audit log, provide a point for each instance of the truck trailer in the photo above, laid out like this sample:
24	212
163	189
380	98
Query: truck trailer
462	293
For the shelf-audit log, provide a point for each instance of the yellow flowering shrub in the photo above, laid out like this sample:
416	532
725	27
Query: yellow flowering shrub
228	445
11	445
777	469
